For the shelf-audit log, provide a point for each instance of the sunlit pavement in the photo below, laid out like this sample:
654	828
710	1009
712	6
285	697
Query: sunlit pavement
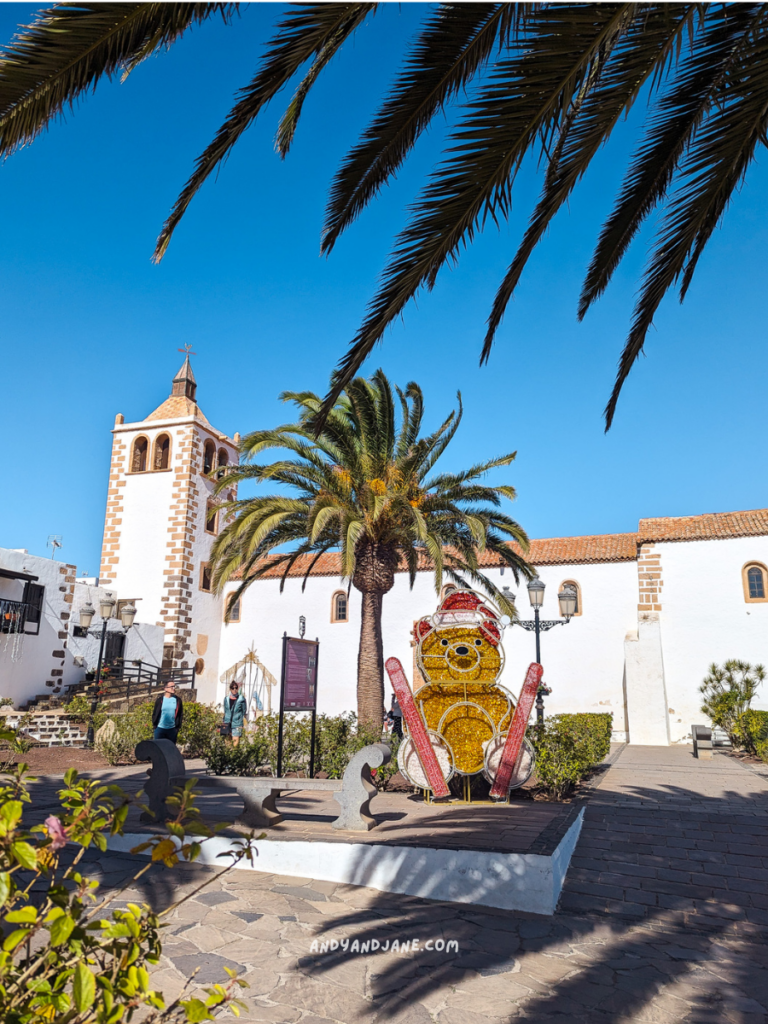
663	918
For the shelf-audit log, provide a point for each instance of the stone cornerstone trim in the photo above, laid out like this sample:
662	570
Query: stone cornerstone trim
176	608
114	516
649	579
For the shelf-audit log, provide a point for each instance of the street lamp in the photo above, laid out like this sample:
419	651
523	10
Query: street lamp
87	612
127	615
567	601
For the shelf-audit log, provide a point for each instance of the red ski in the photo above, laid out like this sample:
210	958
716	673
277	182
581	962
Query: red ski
416	728
513	746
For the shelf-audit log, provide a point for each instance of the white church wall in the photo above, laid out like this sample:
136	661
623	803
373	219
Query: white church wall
584	661
266	614
38	664
706	619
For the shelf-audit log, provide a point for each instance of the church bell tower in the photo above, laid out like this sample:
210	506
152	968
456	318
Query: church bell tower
161	522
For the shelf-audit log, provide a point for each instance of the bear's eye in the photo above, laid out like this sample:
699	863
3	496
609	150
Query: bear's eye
444	643
478	643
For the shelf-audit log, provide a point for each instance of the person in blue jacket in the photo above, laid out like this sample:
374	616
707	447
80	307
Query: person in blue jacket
234	711
168	714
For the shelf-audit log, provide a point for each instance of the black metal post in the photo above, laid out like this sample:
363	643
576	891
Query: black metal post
538	646
312	746
282	711
89	736
314	716
539	708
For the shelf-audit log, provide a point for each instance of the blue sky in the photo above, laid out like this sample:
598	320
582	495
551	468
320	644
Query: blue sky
90	327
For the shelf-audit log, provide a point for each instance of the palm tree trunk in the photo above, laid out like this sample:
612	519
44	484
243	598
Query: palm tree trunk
370	663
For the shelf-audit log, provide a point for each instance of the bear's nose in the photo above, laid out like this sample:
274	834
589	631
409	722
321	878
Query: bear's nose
462	650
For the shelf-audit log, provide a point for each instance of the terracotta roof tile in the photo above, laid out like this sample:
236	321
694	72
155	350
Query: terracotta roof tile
713	526
177	406
607	547
611	547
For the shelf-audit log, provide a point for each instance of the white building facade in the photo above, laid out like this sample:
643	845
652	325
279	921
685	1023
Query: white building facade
41	653
656	607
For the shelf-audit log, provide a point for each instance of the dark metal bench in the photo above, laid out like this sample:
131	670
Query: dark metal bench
706	739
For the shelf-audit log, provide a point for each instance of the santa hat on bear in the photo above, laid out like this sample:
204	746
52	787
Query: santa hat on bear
460	608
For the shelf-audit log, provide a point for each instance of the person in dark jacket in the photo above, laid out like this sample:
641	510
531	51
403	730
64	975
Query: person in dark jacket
396	717
168	714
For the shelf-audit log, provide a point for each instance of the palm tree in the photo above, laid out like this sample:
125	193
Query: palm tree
544	79
364	486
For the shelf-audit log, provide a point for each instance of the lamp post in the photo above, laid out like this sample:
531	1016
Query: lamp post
567	601
127	615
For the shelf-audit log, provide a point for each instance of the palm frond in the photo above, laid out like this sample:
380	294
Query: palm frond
698	85
518	111
69	47
290	119
455	42
305	32
714	168
623	67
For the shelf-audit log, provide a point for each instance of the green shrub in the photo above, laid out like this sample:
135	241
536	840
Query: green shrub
337	740
79	710
198	729
130	728
196	735
759	733
568	747
224	758
728	693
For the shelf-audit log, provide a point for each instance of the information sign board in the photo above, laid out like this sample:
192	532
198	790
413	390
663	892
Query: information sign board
300	683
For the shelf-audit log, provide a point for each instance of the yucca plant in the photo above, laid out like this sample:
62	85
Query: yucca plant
551	80
365	485
728	692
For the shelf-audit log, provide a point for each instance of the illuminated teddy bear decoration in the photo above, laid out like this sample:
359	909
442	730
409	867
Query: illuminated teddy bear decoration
466	712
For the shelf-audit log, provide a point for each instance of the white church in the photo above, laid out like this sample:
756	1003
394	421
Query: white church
655	608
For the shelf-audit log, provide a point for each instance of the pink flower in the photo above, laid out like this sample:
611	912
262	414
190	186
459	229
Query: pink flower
57	832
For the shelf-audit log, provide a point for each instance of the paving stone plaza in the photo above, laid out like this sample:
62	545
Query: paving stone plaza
662	919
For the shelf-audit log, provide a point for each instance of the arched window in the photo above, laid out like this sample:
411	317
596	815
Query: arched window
223	458
162	456
209	456
211	517
447	589
577	588
754	576
234	612
339	607
139	455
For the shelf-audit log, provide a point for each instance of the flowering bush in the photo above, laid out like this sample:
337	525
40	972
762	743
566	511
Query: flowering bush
65	957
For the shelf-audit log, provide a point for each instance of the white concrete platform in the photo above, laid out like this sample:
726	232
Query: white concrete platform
509	881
